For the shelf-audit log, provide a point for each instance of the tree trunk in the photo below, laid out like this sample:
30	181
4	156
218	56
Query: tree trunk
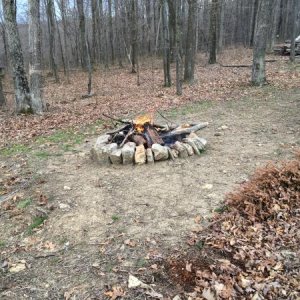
22	93
264	15
111	32
166	50
253	24
2	97
65	48
274	27
190	49
221	26
213	32
83	47
118	37
134	37
178	50
51	27
35	68
95	28
294	13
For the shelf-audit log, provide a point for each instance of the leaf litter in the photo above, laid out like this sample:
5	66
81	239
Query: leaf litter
116	93
252	249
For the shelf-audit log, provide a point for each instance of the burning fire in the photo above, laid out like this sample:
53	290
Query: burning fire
140	121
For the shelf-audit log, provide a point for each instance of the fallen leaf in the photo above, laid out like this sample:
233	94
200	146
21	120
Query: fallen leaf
116	292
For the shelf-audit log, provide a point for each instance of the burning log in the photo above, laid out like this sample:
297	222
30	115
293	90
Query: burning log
152	135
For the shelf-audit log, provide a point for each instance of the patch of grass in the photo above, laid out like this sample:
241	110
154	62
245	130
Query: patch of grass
24	203
2	244
115	218
199	245
46	154
189	109
221	209
15	149
36	222
141	262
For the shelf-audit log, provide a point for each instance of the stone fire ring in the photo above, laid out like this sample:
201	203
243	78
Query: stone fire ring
104	152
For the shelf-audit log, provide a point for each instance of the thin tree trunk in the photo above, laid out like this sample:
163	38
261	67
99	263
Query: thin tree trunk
264	15
89	67
61	47
166	50
294	14
178	50
111	32
134	37
221	26
274	27
190	49
2	97
83	47
118	37
35	68
21	86
254	16
65	48
213	32
51	24
95	28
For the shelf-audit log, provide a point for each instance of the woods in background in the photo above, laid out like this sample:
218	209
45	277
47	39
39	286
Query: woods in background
65	34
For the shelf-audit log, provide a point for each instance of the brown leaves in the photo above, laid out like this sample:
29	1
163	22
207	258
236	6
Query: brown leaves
115	293
245	244
120	95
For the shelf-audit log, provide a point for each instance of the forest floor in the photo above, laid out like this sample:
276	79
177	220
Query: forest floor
71	229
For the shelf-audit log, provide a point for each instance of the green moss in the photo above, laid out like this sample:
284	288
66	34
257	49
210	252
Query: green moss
36	222
24	203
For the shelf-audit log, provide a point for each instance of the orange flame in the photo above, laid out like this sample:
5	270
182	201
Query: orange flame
140	121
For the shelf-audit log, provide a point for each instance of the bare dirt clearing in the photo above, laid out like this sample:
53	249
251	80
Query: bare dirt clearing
105	222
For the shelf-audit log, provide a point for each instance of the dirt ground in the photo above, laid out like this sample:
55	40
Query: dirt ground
104	223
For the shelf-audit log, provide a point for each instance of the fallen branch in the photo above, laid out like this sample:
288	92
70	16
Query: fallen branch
116	119
245	66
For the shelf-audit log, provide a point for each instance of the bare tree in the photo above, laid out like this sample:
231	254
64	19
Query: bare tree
264	15
190	46
2	97
166	45
83	47
213	32
134	36
51	30
35	69
111	32
22	93
294	15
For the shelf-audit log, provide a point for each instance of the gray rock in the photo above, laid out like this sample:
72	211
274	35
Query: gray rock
171	153
128	153
203	141
103	139
140	155
100	153
189	149
116	156
160	152
149	155
190	142
181	149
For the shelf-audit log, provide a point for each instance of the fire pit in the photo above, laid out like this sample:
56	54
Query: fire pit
142	141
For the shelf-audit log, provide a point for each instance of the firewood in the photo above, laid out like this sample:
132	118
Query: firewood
138	139
152	133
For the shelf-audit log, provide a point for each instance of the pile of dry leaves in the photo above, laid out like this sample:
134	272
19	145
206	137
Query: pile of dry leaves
251	251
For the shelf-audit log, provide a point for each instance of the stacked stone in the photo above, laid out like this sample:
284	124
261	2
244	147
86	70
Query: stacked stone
105	153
